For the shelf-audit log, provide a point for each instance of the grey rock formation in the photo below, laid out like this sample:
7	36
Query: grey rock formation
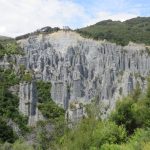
60	92
82	68
5	61
14	89
28	102
75	112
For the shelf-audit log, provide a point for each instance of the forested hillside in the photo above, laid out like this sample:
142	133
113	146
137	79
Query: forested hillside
135	30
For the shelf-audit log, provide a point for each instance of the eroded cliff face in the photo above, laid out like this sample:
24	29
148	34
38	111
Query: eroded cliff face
82	69
28	102
79	70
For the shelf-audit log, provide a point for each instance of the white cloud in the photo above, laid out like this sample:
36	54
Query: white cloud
2	29
22	16
19	17
108	15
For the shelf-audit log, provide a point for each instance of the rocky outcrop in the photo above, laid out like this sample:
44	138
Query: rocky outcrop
60	91
28	102
75	112
5	61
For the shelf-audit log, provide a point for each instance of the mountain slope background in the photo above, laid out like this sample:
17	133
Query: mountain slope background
126	128
136	30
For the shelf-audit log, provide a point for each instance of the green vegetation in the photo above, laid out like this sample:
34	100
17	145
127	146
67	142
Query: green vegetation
127	128
133	111
48	132
92	134
8	78
18	145
27	77
9	47
135	30
6	133
9	104
43	91
24	74
47	106
51	110
140	140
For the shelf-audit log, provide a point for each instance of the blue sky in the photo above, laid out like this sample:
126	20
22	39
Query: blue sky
23	16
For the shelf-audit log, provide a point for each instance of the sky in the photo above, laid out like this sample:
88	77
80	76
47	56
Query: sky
18	17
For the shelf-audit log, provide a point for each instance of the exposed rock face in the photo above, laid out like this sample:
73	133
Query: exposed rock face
75	112
5	61
60	92
81	69
28	102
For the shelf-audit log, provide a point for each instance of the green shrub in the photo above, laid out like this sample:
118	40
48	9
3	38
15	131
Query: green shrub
92	134
43	91
46	105
27	77
51	111
133	111
9	103
9	47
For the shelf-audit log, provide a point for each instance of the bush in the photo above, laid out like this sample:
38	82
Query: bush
133	111
27	77
51	111
9	47
123	114
47	106
92	134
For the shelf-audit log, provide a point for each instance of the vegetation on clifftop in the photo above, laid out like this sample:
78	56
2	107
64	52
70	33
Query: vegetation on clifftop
136	30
